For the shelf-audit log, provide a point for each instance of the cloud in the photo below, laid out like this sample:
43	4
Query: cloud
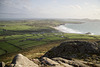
75	6
16	8
16	4
32	8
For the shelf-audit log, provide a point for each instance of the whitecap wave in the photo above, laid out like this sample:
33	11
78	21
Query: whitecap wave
65	29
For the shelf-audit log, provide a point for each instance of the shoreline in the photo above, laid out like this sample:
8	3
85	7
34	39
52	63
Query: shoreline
62	28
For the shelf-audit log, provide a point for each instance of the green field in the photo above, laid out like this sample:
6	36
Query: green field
19	35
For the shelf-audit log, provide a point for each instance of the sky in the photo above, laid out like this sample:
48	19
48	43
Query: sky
76	9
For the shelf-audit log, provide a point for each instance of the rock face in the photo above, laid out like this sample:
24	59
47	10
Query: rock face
22	61
73	49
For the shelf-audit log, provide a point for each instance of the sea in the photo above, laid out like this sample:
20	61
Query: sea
81	28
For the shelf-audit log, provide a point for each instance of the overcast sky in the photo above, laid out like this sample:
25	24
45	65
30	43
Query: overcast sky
50	9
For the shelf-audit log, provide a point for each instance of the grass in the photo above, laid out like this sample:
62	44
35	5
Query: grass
2	52
17	27
9	48
34	43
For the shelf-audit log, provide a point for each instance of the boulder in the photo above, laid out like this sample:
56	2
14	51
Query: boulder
2	64
48	61
22	61
73	49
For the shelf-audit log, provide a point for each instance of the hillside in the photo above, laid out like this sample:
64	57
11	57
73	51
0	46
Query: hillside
36	36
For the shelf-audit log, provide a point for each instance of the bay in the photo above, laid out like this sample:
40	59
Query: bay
92	27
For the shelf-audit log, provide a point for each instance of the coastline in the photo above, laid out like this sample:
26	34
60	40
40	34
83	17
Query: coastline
64	29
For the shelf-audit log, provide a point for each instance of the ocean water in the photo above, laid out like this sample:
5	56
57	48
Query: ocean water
93	27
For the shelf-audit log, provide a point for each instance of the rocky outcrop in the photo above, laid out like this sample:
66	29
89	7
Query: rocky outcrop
22	61
64	55
52	63
62	62
73	49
